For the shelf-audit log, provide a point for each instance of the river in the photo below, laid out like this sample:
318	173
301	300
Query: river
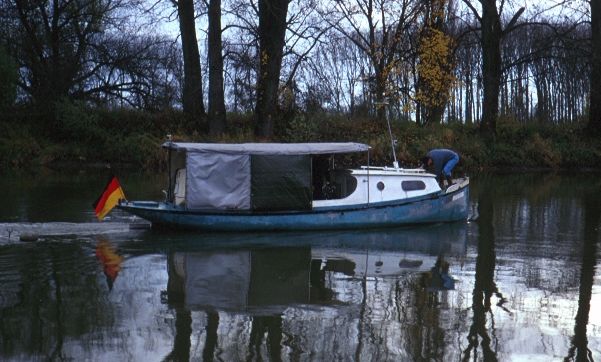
522	281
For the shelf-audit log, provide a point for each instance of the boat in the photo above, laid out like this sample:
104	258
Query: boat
294	186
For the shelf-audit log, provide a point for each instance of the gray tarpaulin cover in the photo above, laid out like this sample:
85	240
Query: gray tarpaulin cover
217	181
219	280
269	148
218	175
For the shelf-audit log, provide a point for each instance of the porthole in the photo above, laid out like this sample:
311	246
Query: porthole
380	185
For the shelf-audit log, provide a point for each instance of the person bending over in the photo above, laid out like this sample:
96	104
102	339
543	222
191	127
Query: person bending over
440	162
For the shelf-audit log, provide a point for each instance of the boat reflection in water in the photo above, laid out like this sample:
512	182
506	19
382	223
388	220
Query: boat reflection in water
278	270
239	280
295	296
321	296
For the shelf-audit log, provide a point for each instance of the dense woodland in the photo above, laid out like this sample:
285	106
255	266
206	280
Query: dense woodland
104	80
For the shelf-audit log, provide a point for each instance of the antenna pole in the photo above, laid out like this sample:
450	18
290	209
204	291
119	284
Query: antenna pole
392	141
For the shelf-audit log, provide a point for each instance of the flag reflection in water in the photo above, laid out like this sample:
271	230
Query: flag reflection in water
110	260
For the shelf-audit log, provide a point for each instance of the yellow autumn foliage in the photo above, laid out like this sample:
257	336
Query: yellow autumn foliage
435	68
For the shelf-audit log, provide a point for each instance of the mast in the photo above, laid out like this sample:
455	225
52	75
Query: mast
395	164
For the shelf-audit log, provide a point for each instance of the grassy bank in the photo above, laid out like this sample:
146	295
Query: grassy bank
79	136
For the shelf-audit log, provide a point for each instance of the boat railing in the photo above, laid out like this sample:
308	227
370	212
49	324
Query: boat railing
399	169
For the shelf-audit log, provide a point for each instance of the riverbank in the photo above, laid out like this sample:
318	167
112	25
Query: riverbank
128	138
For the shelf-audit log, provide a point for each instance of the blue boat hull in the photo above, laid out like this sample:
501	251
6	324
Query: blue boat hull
439	207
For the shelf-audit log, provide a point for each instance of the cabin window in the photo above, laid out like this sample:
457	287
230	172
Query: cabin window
413	185
380	185
330	183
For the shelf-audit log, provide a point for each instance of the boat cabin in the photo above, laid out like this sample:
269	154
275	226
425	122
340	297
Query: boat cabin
263	177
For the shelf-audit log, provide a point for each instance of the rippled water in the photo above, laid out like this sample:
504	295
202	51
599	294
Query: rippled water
522	281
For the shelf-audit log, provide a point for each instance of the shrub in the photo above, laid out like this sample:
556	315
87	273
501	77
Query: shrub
77	123
133	137
18	147
301	129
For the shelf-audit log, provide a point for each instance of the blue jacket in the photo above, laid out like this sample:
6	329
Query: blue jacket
439	158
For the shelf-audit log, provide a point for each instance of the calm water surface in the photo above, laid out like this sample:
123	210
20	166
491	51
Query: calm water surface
522	281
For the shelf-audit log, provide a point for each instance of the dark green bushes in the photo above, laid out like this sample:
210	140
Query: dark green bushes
82	135
18	147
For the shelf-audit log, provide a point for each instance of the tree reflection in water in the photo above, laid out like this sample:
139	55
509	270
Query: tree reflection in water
183	317
426	338
484	286
259	283
270	328
48	308
183	331
176	298
579	350
211	340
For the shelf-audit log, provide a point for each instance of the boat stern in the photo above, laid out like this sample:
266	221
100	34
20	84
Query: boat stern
455	200
144	209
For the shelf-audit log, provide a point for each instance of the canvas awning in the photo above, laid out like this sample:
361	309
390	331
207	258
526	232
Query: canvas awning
269	148
250	176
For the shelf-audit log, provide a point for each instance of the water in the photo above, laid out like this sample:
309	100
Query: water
523	281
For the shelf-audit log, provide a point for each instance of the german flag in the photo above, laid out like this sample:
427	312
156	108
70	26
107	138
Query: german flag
109	198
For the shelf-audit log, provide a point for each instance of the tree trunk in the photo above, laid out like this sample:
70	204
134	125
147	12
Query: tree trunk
217	120
192	97
594	122
491	66
272	31
435	114
469	96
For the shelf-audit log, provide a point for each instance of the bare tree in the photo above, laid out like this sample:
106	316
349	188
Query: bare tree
491	36
333	70
240	49
217	116
594	123
378	28
272	31
192	92
304	32
139	71
241	77
468	72
79	50
55	42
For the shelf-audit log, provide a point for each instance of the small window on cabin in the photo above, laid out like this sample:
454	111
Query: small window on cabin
413	185
329	183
